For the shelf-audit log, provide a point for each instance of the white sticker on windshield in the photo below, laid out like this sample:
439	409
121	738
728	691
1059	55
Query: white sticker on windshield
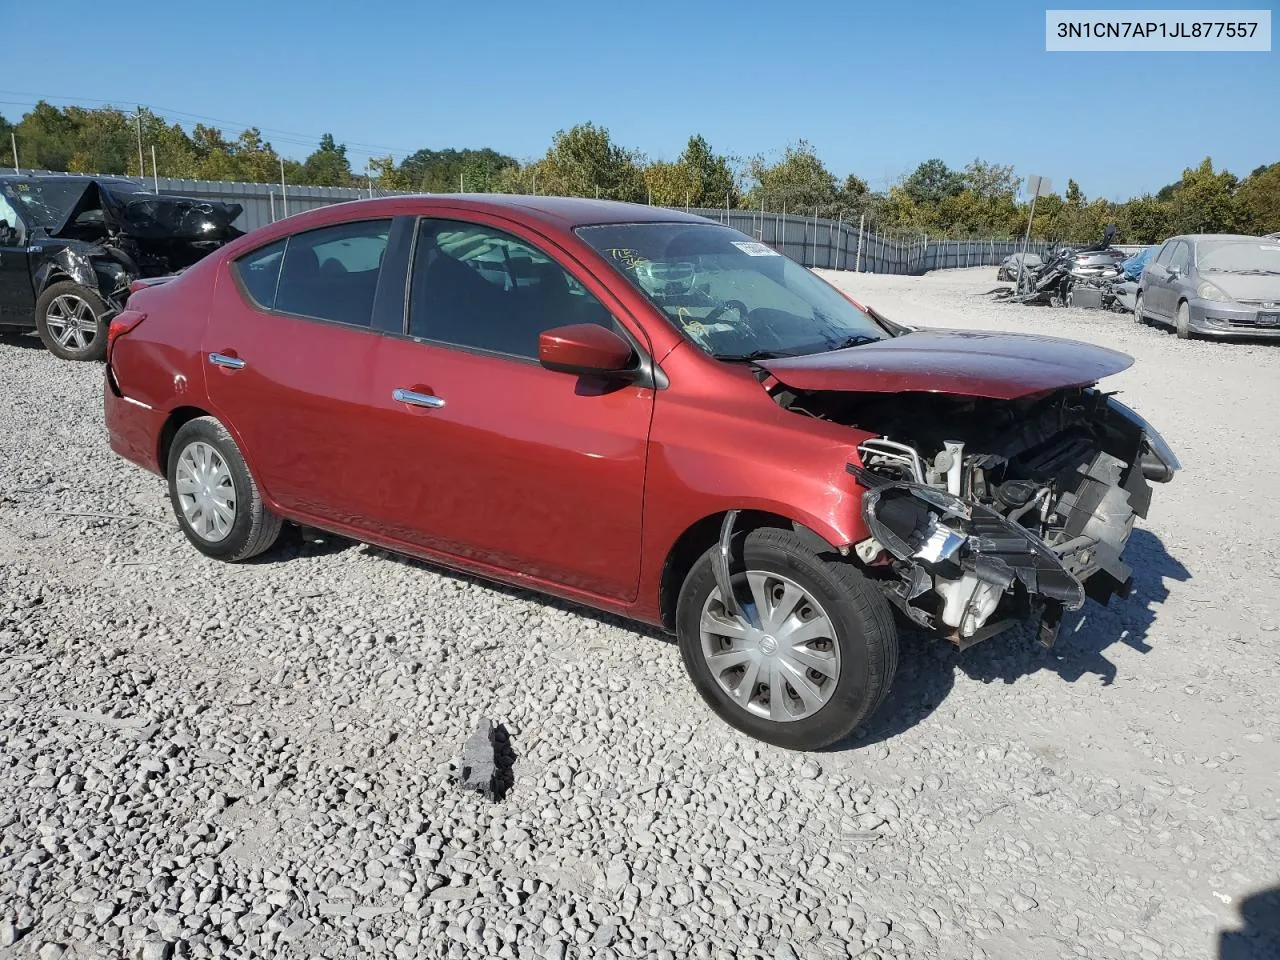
753	248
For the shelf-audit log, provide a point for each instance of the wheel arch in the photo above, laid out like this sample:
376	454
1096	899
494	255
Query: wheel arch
703	534
172	424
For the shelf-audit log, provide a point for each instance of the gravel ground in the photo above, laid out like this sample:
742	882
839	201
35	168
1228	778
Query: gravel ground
208	760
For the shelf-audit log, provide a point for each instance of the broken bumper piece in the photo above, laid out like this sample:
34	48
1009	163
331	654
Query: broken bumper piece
963	569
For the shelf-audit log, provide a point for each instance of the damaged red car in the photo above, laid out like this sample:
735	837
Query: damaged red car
644	412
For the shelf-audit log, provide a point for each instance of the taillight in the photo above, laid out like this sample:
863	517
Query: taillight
122	323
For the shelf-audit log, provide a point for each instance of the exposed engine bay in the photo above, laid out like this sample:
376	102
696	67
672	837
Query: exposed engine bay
986	512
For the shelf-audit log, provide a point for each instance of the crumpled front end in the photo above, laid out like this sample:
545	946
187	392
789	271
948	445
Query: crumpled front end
1023	517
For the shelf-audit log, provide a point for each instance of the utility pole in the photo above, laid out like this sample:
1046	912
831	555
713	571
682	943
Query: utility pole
142	166
14	141
155	175
1036	185
284	194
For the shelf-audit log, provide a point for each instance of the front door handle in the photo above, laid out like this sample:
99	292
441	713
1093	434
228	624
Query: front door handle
417	399
222	360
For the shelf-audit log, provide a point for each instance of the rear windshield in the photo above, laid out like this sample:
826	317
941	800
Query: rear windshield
1239	256
44	203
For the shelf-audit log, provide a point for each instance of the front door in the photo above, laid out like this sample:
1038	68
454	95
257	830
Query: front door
17	299
1159	284
508	464
289	355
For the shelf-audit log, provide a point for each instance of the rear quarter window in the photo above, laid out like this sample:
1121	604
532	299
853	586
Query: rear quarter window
259	273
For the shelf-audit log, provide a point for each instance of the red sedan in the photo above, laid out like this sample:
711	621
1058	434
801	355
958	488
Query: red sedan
644	412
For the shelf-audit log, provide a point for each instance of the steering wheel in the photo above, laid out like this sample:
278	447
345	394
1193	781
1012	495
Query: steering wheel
716	311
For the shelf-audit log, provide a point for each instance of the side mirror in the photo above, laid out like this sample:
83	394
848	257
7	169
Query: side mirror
586	349
1173	272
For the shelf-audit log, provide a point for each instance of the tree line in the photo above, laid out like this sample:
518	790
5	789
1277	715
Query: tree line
979	200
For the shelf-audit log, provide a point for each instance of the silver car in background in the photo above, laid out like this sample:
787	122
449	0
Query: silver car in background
1213	285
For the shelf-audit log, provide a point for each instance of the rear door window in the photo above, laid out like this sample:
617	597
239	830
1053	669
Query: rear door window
1181	258
1162	258
332	273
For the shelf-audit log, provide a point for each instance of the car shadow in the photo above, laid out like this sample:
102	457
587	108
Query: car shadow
1259	935
21	338
927	666
523	593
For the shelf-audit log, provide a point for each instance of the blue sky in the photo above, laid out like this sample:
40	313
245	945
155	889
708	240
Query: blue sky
875	88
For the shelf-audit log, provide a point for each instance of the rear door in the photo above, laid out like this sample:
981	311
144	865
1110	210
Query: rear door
289	354
17	299
511	465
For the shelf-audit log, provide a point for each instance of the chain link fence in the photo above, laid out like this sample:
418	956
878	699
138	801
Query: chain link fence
840	245
812	241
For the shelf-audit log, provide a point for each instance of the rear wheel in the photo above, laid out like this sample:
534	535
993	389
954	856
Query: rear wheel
72	321
809	656
214	497
1183	325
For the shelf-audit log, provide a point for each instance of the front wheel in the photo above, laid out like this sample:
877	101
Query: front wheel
1138	318
1183	325
214	497
810	655
72	321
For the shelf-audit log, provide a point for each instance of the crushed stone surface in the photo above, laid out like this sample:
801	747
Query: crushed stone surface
204	760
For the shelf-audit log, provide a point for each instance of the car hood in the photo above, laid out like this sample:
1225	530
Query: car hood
974	363
1246	286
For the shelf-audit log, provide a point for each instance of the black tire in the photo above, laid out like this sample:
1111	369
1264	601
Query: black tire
254	528
66	339
863	626
1183	323
1138	318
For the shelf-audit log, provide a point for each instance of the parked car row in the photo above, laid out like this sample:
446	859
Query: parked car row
71	246
644	412
1211	285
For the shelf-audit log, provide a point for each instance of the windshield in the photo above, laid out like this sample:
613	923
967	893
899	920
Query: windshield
1240	256
734	297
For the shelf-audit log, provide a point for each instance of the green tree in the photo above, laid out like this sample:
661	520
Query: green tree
443	171
1144	219
672	184
799	181
716	184
1204	200
584	162
1258	201
932	182
328	165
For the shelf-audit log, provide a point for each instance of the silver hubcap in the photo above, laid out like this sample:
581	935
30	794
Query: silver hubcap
780	661
205	490
71	321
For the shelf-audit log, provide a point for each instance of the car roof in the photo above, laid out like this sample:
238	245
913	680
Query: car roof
566	213
1200	237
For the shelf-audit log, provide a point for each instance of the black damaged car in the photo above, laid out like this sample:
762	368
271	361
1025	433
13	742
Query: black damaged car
71	246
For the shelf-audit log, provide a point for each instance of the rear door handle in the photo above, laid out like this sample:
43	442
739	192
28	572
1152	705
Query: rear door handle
222	360
417	399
